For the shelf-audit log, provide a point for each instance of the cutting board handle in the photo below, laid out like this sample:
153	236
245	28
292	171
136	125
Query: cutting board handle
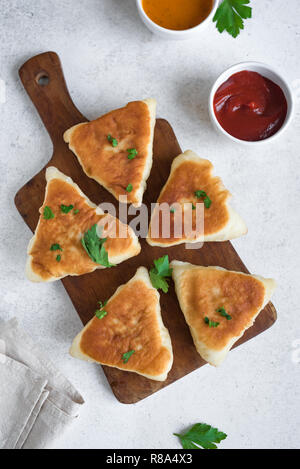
43	79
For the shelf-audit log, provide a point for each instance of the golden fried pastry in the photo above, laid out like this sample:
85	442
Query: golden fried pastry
128	332
66	240
218	305
190	183
116	149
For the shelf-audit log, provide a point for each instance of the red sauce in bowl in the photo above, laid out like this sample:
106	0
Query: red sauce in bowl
249	106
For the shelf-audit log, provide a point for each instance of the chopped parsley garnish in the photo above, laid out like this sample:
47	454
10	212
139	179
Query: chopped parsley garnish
48	214
193	207
230	14
95	248
112	140
55	247
172	210
159	273
199	194
102	304
58	258
132	153
127	355
223	313
101	313
66	208
210	322
206	199
76	211
129	188
202	435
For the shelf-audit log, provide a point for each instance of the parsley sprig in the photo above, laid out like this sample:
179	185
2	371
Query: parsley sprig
101	313
66	208
112	140
48	214
223	313
210	322
202	435
206	199
127	355
160	272
56	247
230	14
95	248
132	153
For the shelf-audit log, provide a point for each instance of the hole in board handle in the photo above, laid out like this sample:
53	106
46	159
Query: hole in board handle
42	79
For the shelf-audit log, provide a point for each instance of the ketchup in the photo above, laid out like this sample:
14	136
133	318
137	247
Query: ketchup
249	106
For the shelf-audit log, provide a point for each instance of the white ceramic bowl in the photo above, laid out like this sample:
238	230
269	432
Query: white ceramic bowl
170	33
268	72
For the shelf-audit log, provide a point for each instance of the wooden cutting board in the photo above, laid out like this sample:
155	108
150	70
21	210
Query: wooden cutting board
43	79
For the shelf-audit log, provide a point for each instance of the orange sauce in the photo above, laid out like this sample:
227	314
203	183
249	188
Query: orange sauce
177	14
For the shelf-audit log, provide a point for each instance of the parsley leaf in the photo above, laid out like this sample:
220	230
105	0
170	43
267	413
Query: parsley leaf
163	267
55	247
58	258
103	258
203	435
223	313
76	211
101	313
95	248
126	356
129	188
102	304
159	272
112	140
200	194
230	14
207	200
132	153
210	322
66	208
158	282
48	214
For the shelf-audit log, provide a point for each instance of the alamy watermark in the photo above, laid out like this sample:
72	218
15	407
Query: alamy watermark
170	223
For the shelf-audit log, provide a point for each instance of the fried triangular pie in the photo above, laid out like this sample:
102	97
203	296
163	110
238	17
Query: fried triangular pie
116	149
218	305
190	184
67	215
128	332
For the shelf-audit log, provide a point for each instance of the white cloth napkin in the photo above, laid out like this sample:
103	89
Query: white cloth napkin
37	403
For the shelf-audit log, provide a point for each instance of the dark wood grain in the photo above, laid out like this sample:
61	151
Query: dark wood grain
58	113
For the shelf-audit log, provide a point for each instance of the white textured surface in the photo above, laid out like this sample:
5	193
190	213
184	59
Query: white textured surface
109	58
